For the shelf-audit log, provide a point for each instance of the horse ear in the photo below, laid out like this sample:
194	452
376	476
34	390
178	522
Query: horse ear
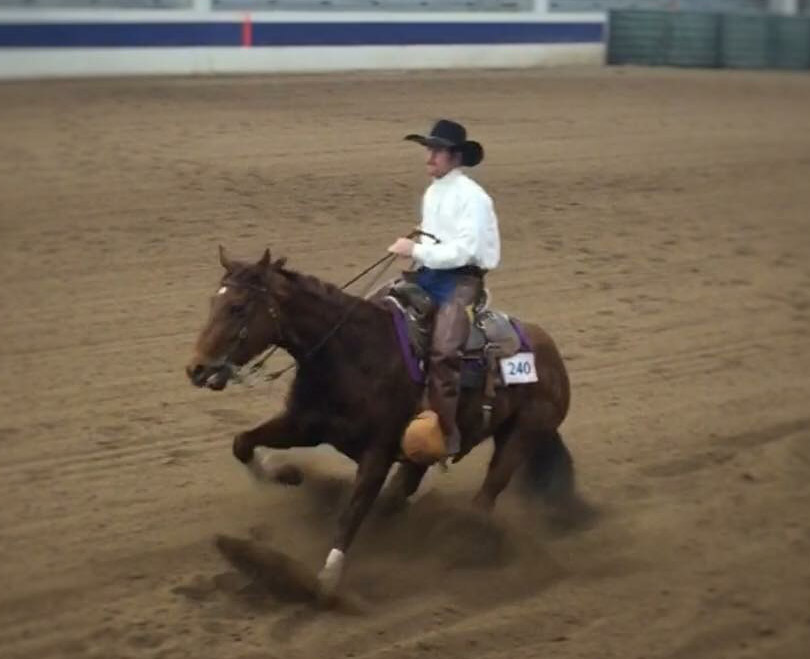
264	261
278	264
224	260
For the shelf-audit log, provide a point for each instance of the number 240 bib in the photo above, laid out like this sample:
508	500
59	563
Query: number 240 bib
519	368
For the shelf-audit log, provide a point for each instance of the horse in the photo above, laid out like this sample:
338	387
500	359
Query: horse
352	390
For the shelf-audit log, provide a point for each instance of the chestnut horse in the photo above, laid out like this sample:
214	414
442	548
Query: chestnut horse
352	390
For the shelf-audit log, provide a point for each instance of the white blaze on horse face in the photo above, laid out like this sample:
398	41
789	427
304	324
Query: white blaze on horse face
222	290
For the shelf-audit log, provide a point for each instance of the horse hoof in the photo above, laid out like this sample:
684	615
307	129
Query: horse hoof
329	576
242	448
328	581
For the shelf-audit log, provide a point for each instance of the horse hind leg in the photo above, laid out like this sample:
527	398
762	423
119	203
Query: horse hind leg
511	450
545	465
403	485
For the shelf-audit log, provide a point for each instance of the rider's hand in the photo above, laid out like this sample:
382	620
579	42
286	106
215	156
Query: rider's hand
402	247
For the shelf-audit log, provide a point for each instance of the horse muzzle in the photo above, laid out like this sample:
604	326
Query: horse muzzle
213	376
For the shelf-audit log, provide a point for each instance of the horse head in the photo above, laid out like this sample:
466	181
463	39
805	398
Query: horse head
243	320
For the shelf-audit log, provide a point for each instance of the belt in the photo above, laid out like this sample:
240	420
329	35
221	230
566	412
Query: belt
471	270
466	270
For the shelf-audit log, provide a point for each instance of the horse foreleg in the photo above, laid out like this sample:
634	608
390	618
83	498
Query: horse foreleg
279	432
371	473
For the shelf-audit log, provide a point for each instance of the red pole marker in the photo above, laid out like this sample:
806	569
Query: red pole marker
247	32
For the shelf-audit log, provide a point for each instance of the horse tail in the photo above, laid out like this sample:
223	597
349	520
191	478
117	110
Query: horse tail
549	469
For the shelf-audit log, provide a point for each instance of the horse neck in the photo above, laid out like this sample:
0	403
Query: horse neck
313	311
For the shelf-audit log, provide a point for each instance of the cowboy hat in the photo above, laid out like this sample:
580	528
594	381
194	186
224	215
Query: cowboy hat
451	135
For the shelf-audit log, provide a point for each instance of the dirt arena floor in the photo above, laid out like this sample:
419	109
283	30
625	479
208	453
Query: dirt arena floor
656	222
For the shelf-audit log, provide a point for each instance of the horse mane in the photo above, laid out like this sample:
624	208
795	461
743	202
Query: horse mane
316	307
312	284
324	291
309	285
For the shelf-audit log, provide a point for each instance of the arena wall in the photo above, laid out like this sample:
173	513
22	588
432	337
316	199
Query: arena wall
199	39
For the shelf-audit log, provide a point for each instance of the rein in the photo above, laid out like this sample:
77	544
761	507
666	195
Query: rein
254	368
275	375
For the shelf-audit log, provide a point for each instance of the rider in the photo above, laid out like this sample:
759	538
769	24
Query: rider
459	215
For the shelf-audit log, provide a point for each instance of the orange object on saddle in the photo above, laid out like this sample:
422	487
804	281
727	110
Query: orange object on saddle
423	441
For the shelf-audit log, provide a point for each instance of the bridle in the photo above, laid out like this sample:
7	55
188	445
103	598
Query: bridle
241	336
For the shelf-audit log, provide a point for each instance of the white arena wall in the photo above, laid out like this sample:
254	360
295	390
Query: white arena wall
53	42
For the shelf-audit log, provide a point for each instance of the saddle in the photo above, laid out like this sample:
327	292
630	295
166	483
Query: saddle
493	334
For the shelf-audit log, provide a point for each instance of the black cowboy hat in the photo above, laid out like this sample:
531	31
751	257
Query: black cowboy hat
447	134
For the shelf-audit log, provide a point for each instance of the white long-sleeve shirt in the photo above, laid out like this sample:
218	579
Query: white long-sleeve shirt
461	215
